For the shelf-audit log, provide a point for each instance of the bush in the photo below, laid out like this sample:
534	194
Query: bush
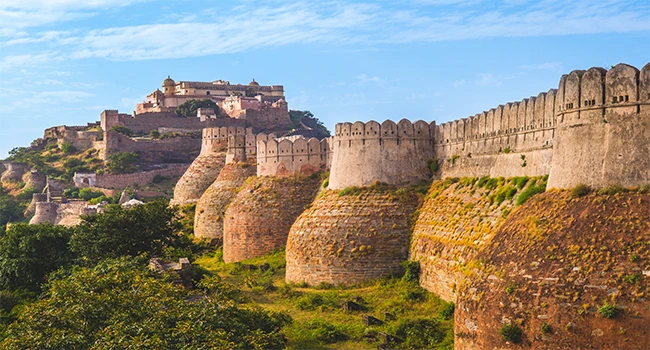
155	134
326	183
511	333
529	192
26	193
546	328
325	332
447	312
122	162
580	190
88	194
413	295
421	333
608	310
434	166
71	192
122	130
411	271
159	179
612	190
189	108
309	302
67	148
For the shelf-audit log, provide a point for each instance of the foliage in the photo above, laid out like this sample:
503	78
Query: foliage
10	209
122	162
420	333
159	179
298	118
26	193
434	166
67	148
511	332
608	310
88	194
146	228
189	108
325	332
411	271
580	190
546	328
71	192
30	252
122	130
530	191
612	190
447	312
154	134
119	304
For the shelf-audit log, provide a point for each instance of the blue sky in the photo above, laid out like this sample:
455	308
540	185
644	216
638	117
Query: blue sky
64	61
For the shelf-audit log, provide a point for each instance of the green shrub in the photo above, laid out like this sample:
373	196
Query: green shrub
632	278
310	302
506	150
529	192
580	190
26	193
482	181
608	310
122	130
546	328
511	333
644	189
325	332
122	162
159	179
421	333
434	166
71	192
88	194
447	311
413	295
612	190
411	271
155	134
326	183
67	148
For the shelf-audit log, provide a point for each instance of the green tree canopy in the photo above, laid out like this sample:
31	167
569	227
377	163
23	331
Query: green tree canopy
28	253
147	228
189	108
10	209
120	305
122	162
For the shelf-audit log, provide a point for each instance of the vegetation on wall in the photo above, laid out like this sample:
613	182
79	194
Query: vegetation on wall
189	108
122	162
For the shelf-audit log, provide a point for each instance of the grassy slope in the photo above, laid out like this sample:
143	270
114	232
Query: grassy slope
334	328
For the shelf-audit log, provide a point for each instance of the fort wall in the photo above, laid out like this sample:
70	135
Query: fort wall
171	150
392	153
287	157
146	122
258	219
121	181
57	213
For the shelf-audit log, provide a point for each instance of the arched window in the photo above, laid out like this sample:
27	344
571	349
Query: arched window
207	92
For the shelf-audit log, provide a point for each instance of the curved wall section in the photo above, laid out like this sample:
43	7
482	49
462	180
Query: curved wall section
392	153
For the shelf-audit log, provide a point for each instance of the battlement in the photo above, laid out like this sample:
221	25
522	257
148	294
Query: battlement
404	129
287	157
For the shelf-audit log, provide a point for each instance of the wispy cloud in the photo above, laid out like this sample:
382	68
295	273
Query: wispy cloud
363	79
251	26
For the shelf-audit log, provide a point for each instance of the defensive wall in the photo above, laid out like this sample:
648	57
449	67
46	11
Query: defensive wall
181	149
121	181
57	213
287	157
386	152
146	122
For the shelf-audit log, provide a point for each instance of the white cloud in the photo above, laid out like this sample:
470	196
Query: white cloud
364	79
251	26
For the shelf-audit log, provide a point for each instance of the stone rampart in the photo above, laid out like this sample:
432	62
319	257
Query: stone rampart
258	219
57	213
121	181
170	150
287	157
392	153
211	207
146	122
604	134
353	238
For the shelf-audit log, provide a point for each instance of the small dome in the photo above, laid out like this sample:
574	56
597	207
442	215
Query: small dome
253	83
169	81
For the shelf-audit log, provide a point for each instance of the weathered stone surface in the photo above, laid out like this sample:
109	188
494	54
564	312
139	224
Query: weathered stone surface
536	251
455	222
211	207
198	177
350	238
258	219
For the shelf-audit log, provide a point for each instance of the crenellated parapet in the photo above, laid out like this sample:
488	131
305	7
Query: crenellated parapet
395	153
285	157
216	139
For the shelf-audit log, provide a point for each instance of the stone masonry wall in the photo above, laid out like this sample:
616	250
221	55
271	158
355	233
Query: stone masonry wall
211	207
392	153
121	181
286	157
347	239
258	219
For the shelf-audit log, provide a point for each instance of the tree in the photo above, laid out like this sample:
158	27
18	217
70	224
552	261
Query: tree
119	304
147	228
29	253
10	209
189	108
122	162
